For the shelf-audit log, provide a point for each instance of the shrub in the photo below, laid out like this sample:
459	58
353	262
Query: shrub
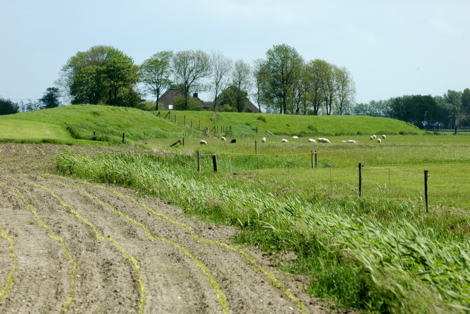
312	128
228	108
262	119
193	104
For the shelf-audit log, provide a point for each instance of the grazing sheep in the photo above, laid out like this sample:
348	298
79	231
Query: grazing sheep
295	136
352	141
202	142
233	141
371	137
323	140
374	136
383	136
378	140
223	138
284	141
311	140
263	140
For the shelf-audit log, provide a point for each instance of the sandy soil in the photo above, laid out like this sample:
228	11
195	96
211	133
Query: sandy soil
86	248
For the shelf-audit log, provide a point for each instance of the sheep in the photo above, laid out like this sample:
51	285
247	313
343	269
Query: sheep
371	137
323	140
202	142
378	140
284	141
223	138
352	141
263	140
374	136
311	140
383	136
295	136
233	141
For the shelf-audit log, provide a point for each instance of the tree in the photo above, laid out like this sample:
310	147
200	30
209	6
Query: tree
453	102
221	67
329	87
189	67
95	56
346	89
7	106
283	67
260	80
155	74
241	75
314	78
50	99
119	75
88	87
465	101
235	98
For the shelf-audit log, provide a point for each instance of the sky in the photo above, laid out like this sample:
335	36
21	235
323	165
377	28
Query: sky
391	48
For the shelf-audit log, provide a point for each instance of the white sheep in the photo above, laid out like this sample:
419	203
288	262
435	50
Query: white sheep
323	140
311	140
263	140
378	140
202	142
352	141
284	141
374	136
371	137
295	136
223	138
383	136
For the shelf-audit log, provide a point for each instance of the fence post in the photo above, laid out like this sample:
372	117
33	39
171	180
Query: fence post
256	147
316	159
94	133
183	141
123	137
214	161
426	189
198	162
312	158
360	180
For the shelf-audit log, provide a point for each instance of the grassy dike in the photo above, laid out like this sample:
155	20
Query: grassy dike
375	254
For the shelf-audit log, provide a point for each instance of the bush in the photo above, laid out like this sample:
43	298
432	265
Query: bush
193	104
312	128
262	119
228	108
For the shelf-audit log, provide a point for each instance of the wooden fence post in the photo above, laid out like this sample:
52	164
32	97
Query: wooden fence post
360	180
214	161
316	159
312	159
183	141
426	189
198	162
256	147
123	137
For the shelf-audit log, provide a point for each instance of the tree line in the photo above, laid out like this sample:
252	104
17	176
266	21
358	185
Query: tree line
282	82
449	110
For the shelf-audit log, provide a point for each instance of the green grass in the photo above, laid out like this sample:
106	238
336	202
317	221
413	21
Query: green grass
79	121
294	124
375	253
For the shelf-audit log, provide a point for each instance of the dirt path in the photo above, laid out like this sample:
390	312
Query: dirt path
86	248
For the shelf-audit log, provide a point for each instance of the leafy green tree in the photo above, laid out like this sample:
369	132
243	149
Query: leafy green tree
315	72
155	74
235	98
95	56
7	106
50	99
260	82
88	87
192	104
453	101
119	75
283	66
189	68
465	101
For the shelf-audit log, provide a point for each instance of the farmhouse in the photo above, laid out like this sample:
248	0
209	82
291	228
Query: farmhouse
171	94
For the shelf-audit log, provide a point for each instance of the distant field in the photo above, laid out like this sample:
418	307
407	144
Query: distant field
24	129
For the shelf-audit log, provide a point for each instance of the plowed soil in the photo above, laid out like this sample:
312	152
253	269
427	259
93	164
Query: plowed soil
77	247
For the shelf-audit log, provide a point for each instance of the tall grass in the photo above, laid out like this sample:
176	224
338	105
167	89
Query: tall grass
373	253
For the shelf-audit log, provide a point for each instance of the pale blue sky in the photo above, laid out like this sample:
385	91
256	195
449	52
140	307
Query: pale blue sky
392	48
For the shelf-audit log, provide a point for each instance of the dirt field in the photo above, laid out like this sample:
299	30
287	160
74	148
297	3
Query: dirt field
71	246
